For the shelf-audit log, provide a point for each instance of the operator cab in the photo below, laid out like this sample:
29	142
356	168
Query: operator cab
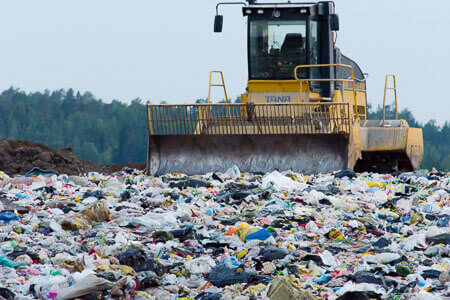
279	39
282	36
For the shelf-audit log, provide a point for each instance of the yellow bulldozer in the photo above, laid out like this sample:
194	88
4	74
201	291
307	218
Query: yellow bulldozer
304	108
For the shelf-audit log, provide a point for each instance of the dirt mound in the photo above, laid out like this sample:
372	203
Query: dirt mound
19	157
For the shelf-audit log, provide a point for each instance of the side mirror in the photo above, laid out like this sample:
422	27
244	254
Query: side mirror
218	23
334	22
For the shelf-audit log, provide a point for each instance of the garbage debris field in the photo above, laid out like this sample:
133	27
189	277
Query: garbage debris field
280	235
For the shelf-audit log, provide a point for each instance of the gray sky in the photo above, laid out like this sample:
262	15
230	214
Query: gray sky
163	50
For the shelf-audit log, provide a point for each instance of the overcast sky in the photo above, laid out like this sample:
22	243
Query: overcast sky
163	50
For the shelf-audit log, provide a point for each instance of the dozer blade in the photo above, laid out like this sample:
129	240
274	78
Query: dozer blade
251	153
196	139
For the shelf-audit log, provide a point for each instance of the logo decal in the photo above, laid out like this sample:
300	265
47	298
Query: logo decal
278	99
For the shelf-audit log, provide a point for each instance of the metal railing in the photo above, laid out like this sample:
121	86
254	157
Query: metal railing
394	88
249	118
351	80
217	85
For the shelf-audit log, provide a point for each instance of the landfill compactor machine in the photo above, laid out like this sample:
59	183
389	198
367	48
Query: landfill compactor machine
304	108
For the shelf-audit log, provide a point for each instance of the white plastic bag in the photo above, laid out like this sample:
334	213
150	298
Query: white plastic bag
233	172
89	284
328	259
200	265
383	258
281	182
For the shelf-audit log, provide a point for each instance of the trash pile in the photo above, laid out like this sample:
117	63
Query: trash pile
276	236
17	157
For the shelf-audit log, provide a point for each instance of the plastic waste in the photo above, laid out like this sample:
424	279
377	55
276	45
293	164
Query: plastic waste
154	221
381	243
78	180
423	295
352	290
439	239
328	259
444	277
283	288
123	287
383	258
403	270
139	261
97	211
200	265
345	173
5	262
4	176
270	253
209	236
96	194
259	234
35	171
7	216
282	182
221	276
233	172
434	274
371	278
437	250
89	284
6	294
189	183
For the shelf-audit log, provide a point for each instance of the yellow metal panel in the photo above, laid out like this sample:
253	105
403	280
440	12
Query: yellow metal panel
354	146
404	123
383	139
357	134
244	98
359	85
265	86
338	96
349	98
361	98
415	146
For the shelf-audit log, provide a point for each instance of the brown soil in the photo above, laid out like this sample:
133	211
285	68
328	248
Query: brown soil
19	157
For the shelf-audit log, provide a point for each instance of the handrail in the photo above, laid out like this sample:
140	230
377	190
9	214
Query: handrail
228	3
149	120
249	118
329	79
245	104
220	85
395	93
250	103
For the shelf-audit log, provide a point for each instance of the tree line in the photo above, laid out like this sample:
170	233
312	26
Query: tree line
116	132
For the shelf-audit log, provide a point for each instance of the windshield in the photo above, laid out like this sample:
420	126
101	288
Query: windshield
276	48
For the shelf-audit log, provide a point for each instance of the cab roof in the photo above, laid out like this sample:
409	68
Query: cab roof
305	7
